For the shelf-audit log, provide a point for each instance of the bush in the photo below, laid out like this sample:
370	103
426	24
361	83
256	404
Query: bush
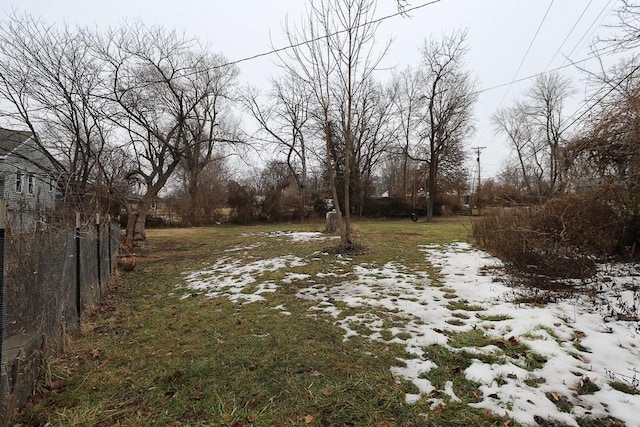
564	237
391	207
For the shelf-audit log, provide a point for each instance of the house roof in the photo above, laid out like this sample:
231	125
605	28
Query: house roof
11	139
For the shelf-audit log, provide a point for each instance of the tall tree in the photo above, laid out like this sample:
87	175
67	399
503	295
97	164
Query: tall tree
284	121
446	119
512	122
333	54
547	98
210	129
408	99
534	127
51	84
607	150
374	134
161	87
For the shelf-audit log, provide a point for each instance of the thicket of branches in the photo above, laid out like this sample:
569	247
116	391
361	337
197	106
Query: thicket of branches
593	175
134	112
116	112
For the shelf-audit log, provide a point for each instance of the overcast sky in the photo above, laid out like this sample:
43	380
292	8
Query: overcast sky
501	33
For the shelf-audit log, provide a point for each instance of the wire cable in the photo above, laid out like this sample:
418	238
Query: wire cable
592	106
526	54
402	12
569	34
588	31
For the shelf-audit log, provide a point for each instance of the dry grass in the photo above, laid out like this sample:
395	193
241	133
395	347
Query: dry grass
147	357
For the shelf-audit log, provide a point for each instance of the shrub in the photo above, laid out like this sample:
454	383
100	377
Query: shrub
563	237
392	207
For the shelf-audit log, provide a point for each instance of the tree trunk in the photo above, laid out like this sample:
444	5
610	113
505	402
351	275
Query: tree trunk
192	194
132	216
139	234
332	178
432	190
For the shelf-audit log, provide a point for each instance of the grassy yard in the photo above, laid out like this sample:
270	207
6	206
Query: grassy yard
159	353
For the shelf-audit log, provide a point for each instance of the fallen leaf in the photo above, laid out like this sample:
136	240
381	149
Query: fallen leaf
308	419
555	396
315	374
191	415
175	376
197	394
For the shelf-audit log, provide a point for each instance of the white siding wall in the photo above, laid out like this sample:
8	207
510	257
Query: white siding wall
35	198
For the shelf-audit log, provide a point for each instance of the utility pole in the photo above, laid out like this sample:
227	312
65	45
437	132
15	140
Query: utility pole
478	150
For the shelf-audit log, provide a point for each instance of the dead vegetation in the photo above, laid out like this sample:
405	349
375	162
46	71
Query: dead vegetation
565	237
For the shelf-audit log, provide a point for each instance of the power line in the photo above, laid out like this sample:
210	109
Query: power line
588	31
404	11
614	87
535	36
569	34
531	76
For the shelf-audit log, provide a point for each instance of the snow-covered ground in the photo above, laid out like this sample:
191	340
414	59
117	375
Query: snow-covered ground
584	339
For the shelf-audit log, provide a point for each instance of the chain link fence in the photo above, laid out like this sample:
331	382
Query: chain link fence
50	275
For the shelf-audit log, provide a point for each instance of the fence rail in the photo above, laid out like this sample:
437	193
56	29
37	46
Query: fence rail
48	276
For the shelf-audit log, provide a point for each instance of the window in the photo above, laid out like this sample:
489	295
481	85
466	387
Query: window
19	181
30	183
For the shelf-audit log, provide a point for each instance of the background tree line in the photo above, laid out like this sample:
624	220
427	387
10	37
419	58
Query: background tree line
134	112
130	113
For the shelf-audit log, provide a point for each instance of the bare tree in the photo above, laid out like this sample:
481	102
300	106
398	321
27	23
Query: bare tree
285	122
51	80
161	86
547	99
374	134
535	129
203	208
335	61
409	101
446	119
513	123
210	129
628	28
607	151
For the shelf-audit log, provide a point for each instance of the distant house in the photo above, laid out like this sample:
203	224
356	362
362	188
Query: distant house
26	182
